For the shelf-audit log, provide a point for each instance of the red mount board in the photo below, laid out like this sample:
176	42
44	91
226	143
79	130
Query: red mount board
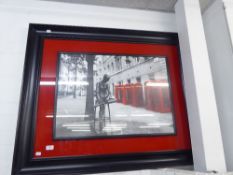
106	146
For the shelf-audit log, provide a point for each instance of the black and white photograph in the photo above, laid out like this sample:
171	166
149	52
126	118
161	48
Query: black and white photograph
99	95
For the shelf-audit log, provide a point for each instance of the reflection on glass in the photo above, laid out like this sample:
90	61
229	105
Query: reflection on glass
112	95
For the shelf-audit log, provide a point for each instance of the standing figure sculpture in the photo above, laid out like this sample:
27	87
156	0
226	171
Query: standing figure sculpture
102	96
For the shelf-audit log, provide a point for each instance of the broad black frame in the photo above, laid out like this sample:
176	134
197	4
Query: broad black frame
23	161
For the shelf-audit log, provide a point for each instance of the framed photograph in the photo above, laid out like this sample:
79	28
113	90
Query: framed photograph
98	100
126	95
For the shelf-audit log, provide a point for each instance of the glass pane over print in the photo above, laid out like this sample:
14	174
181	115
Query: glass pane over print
112	95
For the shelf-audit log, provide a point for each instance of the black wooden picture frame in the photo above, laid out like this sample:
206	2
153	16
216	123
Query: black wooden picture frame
23	161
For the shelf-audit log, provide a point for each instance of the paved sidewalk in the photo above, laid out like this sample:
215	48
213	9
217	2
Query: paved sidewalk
71	120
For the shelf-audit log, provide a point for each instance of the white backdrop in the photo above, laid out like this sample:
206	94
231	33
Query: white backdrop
221	59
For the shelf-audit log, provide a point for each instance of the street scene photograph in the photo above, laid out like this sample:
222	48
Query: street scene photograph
112	95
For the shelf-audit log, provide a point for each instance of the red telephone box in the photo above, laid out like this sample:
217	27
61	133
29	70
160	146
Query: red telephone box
124	94
157	96
137	95
128	89
151	95
118	94
165	104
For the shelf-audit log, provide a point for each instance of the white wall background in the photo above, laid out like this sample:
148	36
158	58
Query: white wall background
208	152
221	60
15	17
228	5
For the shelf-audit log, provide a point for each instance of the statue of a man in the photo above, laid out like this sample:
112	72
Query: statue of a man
102	95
